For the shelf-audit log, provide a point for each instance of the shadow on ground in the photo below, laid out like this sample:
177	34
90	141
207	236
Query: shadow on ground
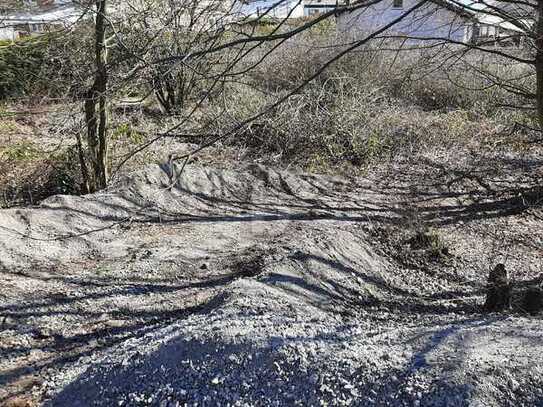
218	372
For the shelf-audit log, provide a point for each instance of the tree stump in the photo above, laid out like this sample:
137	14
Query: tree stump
532	301
498	292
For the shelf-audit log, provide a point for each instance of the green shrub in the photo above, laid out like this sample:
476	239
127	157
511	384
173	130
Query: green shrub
28	175
50	65
22	151
20	66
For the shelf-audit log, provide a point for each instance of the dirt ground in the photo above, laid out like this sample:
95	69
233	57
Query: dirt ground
255	286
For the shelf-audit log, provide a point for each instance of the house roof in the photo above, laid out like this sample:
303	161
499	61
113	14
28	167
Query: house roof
525	9
456	8
471	12
481	12
484	18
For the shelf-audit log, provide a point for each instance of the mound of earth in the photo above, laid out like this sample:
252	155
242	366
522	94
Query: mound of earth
243	288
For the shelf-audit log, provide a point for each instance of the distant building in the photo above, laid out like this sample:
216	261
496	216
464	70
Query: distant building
286	9
437	19
316	7
273	9
38	17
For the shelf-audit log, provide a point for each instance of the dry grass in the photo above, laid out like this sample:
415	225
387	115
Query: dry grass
372	106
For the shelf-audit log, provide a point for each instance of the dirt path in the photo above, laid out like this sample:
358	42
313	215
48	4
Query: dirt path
259	287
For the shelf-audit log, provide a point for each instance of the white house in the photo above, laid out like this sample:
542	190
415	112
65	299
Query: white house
275	9
47	16
436	19
281	9
316	7
439	19
431	20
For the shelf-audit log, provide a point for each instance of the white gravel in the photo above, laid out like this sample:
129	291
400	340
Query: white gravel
245	289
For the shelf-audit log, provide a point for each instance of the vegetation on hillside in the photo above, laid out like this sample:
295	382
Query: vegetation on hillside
383	101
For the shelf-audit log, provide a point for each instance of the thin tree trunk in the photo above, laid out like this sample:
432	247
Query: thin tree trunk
85	184
101	89
96	104
539	62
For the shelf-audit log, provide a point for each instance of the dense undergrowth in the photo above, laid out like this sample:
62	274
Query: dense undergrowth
373	105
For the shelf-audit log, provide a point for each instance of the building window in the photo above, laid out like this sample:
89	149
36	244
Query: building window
37	28
397	3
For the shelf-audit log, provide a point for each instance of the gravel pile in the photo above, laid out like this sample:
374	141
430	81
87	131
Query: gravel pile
248	288
238	355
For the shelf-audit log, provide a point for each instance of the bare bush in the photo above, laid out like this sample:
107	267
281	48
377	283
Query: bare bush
374	104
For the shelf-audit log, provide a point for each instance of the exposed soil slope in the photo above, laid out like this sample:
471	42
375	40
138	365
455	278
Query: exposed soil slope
255	287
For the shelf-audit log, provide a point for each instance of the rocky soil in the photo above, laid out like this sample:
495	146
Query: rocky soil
252	286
